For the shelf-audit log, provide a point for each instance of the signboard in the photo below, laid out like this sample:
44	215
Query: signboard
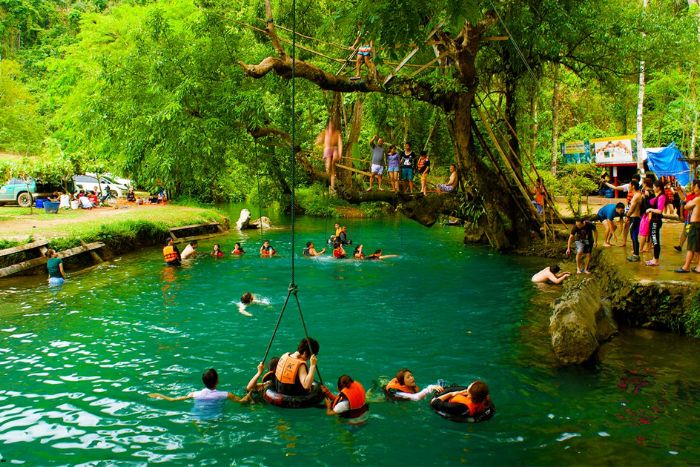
577	152
617	150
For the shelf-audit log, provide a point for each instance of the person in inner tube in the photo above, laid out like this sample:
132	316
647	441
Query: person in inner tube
404	386
294	376
350	401
267	379
469	402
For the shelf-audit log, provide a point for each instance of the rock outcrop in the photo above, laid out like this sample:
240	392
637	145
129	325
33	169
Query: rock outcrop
581	322
244	221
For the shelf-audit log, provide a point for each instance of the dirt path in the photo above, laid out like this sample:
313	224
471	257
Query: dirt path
65	223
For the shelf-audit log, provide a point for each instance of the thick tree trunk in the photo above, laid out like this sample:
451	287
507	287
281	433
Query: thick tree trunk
512	119
534	128
503	224
555	120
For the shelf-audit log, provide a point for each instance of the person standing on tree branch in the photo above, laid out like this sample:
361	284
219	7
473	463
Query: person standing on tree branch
377	167
364	53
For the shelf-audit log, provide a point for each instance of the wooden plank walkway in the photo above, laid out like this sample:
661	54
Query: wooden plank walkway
25	247
184	227
32	263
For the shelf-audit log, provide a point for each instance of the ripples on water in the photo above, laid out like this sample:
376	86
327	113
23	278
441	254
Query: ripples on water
77	363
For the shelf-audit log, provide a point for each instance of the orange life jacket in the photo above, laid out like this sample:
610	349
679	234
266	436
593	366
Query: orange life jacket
288	369
394	384
474	408
355	395
169	254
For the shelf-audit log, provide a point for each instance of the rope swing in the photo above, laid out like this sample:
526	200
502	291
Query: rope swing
293	289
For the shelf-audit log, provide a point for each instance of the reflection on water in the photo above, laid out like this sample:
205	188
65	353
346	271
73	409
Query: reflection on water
77	364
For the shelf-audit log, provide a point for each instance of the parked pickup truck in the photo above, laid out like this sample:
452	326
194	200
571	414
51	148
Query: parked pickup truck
23	192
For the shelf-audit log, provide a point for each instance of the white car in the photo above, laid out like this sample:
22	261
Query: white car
88	183
117	180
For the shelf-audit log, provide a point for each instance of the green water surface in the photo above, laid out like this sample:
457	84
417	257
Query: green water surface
76	364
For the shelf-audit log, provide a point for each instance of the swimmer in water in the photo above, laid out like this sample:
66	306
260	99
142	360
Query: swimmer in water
246	299
237	249
339	251
378	255
310	250
210	378
358	254
550	274
217	253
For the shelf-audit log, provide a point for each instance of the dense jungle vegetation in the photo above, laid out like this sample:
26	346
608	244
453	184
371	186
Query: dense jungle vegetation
155	89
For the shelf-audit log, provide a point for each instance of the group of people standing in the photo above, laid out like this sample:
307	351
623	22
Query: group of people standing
401	167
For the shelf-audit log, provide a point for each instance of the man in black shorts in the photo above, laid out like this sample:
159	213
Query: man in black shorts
586	236
693	231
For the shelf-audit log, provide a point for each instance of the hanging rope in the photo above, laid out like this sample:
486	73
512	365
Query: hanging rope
257	170
293	289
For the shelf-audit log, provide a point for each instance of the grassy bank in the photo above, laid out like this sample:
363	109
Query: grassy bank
127	227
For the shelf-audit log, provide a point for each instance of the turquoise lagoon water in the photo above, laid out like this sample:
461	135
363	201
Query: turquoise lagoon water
76	364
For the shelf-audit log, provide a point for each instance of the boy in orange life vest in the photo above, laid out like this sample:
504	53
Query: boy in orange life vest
293	377
350	402
470	402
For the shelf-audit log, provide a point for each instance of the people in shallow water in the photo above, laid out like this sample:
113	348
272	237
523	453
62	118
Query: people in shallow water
210	378
310	250
550	274
171	254
237	249
404	387
469	402
217	253
295	372
378	254
55	268
190	250
266	249
339	251
350	401
358	254
267	380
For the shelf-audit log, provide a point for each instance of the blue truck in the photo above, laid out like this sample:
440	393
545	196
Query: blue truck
23	192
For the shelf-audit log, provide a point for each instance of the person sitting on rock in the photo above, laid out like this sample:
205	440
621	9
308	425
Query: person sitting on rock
550	273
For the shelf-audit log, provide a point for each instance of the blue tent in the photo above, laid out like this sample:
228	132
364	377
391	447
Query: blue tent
667	161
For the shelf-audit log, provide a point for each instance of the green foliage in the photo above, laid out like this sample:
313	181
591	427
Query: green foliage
21	126
692	317
152	89
470	208
375	209
574	182
317	203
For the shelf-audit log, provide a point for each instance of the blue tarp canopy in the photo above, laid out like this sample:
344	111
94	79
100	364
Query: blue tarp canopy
667	161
